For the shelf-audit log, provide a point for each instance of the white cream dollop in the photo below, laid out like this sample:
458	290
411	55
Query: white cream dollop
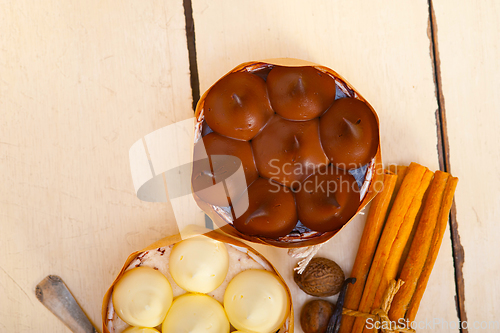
256	301
142	297
199	264
196	313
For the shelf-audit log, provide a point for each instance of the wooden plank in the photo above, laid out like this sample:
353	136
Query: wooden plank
469	56
383	49
80	82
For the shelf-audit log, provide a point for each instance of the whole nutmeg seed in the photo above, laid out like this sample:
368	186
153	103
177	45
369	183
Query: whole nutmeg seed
321	278
315	315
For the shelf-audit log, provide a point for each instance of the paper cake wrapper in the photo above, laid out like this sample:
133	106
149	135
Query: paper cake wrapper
373	178
193	231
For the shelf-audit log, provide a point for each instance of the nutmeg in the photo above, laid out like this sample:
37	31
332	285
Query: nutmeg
321	278
315	315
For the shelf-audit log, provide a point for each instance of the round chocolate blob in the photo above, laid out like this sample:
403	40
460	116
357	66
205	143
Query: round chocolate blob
289	151
327	199
221	163
271	210
349	133
238	106
300	93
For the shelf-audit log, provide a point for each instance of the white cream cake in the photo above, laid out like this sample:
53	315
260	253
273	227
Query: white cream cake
240	259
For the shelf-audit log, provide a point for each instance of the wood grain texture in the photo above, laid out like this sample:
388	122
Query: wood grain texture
470	63
80	82
382	48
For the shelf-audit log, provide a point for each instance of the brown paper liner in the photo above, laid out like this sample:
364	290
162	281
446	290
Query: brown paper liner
306	240
177	238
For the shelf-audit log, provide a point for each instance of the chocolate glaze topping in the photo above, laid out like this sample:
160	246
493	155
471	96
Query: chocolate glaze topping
288	151
349	133
327	199
238	106
300	93
306	147
271	211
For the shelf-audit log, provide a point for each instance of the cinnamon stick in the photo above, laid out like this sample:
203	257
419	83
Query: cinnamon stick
392	264
371	233
434	249
396	216
420	247
412	234
400	171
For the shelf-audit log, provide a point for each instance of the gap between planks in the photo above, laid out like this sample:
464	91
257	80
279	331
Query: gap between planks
191	45
444	164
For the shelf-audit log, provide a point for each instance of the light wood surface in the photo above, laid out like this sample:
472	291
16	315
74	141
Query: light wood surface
382	49
470	67
81	81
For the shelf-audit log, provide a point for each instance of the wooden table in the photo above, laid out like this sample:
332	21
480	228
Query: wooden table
81	81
